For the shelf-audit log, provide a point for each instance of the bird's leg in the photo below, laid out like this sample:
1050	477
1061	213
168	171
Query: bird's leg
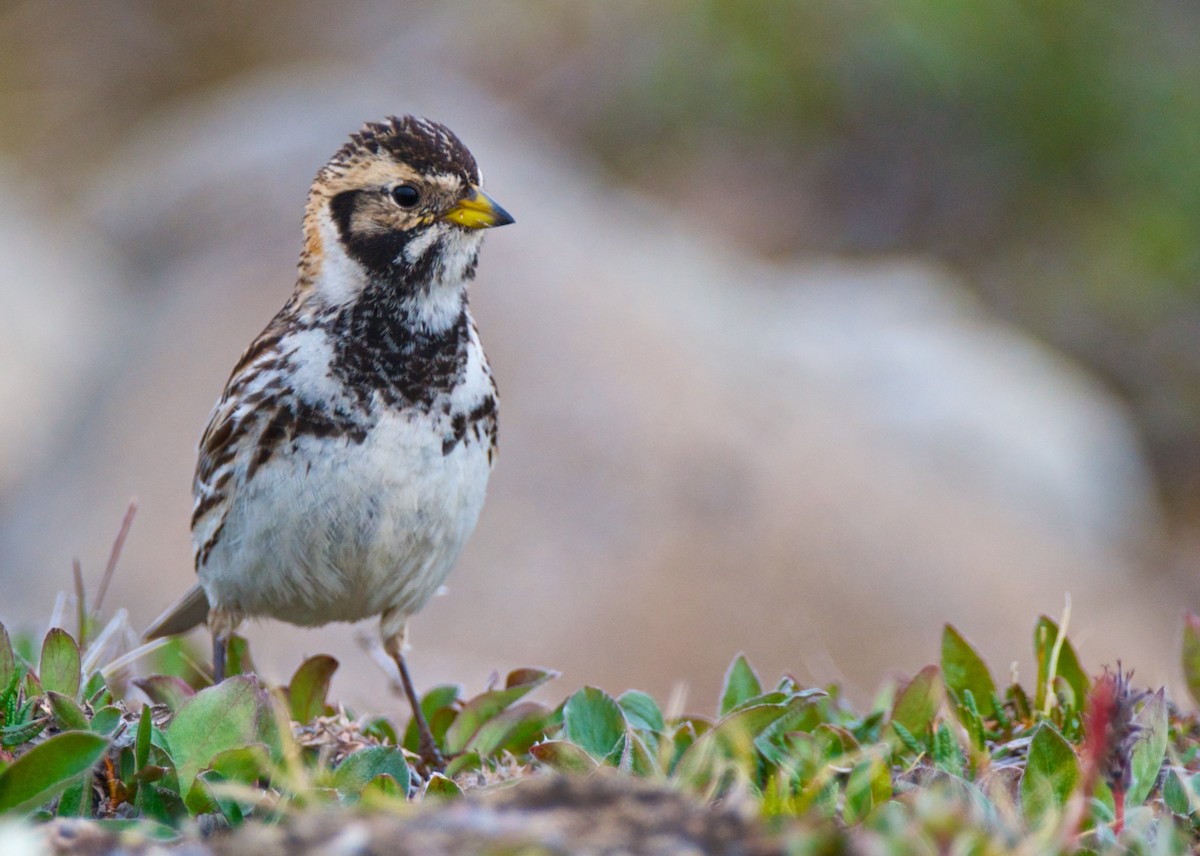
427	746
222	622
220	646
393	628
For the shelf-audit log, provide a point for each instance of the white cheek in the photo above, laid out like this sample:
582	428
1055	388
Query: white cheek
340	278
457	248
418	246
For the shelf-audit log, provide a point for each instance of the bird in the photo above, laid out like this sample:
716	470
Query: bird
345	464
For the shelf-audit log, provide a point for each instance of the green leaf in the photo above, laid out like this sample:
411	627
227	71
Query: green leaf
441	787
483	707
968	715
1176	795
820	798
1022	709
230	715
1003	720
439	724
773	697
48	768
76	799
907	739
731	739
245	765
800	714
1051	773
1191	655
382	789
8	660
563	756
741	683
94	688
58	670
514	729
166	689
237	657
106	720
70	715
381	729
464	763
683	736
141	754
310	686
963	669
917	704
358	769
1045	633
22	732
869	785
947	754
9	697
641	711
440	699
159	804
638	758
529	677
593	721
207	796
1149	749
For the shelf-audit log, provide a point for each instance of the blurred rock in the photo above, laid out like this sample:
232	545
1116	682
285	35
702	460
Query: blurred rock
699	453
58	288
546	814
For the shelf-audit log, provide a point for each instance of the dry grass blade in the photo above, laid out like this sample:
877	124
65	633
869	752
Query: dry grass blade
80	603
115	554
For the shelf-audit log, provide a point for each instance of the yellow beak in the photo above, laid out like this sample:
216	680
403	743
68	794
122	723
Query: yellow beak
478	211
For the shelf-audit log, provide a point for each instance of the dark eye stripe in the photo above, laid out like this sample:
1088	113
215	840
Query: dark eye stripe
379	251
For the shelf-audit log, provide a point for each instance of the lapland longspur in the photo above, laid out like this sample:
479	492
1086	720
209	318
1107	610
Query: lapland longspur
345	465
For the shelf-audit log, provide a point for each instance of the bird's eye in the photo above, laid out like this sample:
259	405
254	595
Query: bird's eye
406	195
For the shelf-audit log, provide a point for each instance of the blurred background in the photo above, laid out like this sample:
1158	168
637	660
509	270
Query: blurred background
821	324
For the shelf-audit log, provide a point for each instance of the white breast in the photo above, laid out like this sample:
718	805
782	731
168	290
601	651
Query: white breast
333	530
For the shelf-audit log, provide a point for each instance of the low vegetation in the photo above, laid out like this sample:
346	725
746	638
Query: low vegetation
947	760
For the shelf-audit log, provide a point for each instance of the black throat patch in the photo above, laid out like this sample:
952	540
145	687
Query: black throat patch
381	346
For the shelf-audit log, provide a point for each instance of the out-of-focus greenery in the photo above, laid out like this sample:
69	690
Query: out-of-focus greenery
1049	150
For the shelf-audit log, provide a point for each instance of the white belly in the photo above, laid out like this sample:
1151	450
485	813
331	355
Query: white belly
339	531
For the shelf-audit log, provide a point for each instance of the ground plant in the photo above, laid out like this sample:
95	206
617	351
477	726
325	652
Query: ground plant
1076	760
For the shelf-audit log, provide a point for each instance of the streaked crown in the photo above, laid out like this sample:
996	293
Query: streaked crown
426	146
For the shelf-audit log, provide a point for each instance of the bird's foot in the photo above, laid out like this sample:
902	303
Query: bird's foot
432	758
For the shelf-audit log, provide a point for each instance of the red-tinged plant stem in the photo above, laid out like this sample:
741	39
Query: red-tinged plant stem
1097	722
1109	734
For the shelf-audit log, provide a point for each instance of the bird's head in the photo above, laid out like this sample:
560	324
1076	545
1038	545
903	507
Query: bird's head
398	205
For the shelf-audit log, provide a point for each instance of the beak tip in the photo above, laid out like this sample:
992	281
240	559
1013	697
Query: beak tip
479	211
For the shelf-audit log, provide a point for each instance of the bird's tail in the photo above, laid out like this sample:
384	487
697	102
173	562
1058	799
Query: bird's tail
187	612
